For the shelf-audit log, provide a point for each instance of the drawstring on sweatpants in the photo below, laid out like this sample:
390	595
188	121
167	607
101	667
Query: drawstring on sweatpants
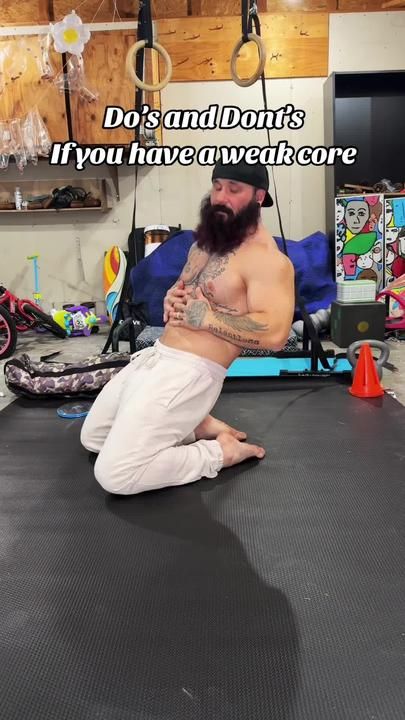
148	356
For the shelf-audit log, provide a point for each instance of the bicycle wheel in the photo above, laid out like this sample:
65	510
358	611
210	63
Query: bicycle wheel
43	319
8	334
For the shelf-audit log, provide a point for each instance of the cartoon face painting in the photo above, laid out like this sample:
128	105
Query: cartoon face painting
357	214
388	213
341	232
349	264
340	271
401	240
359	238
340	211
394	237
389	256
365	261
391	234
377	252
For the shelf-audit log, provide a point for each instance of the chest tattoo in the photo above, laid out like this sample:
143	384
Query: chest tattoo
205	277
214	268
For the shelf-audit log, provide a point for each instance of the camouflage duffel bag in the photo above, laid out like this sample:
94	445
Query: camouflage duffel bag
83	378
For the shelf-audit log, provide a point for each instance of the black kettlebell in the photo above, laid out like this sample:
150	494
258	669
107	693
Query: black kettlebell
380	361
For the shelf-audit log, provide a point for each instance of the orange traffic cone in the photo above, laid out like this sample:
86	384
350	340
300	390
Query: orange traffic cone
366	383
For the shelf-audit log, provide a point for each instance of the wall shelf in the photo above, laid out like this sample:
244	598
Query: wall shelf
33	189
53	210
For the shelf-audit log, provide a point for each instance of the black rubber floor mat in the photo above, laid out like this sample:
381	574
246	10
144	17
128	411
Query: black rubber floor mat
274	592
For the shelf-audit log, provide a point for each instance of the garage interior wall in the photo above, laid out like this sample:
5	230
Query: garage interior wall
71	254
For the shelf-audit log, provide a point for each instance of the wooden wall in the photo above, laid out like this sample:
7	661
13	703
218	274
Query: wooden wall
23	87
294	49
105	72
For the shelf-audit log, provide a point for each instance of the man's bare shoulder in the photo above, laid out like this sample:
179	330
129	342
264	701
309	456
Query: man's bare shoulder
265	256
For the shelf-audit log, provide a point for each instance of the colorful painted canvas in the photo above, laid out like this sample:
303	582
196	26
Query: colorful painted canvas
359	238
394	238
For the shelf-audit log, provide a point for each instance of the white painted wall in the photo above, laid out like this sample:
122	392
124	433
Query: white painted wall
71	247
367	41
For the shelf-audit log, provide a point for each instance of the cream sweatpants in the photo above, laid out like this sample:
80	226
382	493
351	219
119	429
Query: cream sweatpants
141	424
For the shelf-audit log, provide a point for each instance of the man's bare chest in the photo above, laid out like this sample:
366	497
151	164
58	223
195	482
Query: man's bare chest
222	284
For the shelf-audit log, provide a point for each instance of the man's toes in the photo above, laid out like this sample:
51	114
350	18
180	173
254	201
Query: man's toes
235	451
238	434
257	451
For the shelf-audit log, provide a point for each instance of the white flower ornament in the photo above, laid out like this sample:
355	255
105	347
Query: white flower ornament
70	35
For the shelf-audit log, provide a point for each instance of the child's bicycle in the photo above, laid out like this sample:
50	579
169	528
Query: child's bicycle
19	316
8	334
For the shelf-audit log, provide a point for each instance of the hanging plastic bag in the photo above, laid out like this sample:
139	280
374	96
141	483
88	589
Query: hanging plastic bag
5	145
74	80
43	140
46	69
29	138
77	65
17	144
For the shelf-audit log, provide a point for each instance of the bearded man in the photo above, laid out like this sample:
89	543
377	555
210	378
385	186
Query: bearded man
151	424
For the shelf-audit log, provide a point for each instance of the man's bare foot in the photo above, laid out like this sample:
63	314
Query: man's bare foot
235	452
210	428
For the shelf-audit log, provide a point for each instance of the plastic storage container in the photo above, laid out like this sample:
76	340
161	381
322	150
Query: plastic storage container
155	235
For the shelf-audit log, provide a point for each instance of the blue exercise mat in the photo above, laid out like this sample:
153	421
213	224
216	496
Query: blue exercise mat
273	366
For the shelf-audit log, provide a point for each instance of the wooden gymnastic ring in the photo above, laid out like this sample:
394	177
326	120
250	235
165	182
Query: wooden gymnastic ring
130	66
262	61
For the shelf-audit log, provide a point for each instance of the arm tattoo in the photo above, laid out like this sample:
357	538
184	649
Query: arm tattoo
233	336
241	322
196	312
221	308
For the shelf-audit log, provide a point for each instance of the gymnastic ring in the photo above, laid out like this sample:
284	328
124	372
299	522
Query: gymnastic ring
262	61
130	66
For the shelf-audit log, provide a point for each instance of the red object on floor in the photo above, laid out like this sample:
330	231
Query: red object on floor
366	383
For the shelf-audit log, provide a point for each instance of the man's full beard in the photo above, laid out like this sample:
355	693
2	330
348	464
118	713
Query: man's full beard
221	233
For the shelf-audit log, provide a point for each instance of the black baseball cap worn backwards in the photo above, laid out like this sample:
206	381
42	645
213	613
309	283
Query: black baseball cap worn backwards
255	175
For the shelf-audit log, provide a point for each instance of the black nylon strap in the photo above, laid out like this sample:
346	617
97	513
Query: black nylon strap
144	32
139	66
317	351
245	20
249	16
147	28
